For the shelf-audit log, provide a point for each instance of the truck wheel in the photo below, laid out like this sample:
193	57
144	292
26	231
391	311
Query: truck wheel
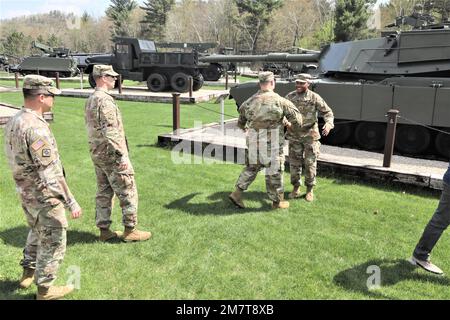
92	81
443	144
156	82
180	82
198	82
212	73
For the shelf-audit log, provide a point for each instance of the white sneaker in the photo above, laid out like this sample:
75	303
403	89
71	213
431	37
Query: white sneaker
426	265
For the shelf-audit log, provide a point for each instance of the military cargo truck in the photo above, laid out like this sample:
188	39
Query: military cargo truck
138	60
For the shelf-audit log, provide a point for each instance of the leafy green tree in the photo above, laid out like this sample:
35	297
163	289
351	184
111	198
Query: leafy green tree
155	18
17	44
438	8
254	17
119	12
54	41
351	19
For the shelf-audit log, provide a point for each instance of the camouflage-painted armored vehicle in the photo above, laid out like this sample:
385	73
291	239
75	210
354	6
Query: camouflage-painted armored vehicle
54	60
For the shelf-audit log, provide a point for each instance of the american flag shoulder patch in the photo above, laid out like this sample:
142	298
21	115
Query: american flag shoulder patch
37	144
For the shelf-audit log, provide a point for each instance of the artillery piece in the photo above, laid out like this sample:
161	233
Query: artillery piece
361	80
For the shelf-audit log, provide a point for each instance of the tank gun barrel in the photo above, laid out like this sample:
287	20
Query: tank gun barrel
271	57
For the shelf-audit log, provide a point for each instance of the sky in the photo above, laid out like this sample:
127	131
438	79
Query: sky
16	8
96	8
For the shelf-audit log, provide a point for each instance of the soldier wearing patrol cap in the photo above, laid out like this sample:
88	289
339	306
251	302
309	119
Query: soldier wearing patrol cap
109	153
37	170
261	118
304	142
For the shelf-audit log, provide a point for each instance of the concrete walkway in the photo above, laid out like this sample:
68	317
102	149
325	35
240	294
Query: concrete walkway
209	141
141	94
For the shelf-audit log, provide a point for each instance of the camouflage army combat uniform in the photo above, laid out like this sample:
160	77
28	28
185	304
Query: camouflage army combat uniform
39	176
262	118
304	142
108	148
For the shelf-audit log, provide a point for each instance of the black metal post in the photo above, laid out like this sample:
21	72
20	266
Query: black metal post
82	78
120	83
226	78
191	86
390	137
57	80
16	77
176	111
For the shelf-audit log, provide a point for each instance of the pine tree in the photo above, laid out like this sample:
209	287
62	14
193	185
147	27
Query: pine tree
255	16
119	13
155	18
351	19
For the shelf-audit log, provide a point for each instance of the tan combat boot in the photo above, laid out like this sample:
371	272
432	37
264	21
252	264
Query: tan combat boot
295	193
309	194
133	234
53	292
236	198
106	234
27	278
280	204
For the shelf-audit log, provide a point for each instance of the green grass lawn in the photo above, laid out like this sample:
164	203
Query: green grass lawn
203	247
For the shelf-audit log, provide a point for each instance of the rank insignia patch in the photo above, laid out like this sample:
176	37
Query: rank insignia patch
46	152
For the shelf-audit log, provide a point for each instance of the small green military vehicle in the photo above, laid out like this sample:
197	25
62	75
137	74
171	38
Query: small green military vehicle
52	61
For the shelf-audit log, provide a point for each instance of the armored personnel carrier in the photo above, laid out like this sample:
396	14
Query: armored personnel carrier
54	60
361	80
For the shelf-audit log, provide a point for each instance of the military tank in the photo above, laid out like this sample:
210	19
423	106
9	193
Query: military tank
361	80
54	60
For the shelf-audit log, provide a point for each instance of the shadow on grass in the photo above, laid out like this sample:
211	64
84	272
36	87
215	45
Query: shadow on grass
220	204
9	291
391	272
18	236
378	184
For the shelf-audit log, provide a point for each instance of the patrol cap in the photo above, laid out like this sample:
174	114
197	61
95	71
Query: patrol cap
303	77
41	83
104	70
266	76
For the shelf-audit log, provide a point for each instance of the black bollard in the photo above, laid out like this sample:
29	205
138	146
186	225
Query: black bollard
57	80
390	137
176	111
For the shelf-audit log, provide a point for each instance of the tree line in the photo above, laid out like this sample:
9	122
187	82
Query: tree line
245	25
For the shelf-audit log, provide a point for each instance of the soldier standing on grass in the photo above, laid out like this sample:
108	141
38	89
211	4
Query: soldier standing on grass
304	142
261	117
37	170
109	152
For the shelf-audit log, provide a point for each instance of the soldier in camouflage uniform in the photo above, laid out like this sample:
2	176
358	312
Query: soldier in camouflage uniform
37	170
261	117
304	142
109	152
